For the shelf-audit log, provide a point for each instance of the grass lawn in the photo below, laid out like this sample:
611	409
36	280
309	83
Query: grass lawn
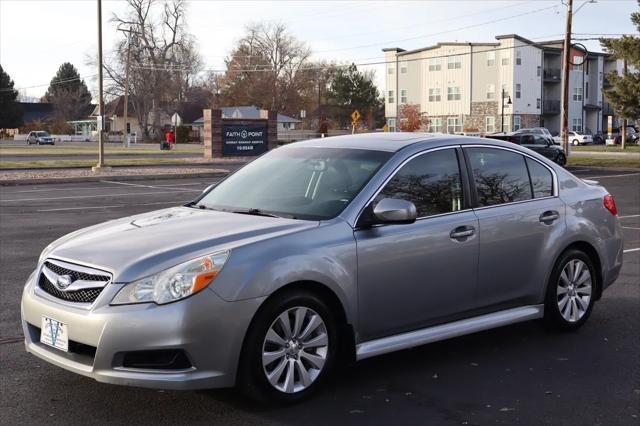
603	162
606	148
91	162
41	150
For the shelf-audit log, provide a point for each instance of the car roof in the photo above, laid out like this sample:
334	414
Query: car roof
393	142
381	141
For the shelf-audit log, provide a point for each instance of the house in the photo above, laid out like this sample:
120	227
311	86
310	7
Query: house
253	112
473	86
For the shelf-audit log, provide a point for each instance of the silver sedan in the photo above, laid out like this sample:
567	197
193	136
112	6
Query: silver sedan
345	247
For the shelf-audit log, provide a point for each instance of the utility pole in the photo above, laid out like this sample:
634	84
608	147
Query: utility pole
566	61
125	131
100	166
623	135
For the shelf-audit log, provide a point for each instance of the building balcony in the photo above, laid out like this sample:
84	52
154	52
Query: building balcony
551	75
551	107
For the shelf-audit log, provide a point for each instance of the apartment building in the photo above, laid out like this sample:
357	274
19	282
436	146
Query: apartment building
508	84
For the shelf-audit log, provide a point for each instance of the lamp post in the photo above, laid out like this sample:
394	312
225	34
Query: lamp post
502	117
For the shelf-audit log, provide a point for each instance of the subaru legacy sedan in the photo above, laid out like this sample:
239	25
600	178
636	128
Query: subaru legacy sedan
323	251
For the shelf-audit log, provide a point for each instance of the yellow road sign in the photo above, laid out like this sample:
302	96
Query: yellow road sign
355	116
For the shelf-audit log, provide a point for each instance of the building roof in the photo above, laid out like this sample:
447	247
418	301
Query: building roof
250	112
114	107
36	111
402	52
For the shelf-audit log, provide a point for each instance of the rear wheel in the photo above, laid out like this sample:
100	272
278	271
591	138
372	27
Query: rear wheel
290	348
570	292
561	159
575	142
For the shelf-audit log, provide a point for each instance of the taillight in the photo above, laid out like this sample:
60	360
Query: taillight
610	204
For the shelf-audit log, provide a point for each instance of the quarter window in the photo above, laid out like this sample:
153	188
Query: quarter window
541	179
431	182
500	176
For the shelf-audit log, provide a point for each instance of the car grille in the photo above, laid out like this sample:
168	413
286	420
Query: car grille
86	283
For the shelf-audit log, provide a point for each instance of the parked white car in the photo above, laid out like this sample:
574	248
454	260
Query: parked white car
579	139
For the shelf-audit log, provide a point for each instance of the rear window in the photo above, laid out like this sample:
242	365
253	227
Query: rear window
500	176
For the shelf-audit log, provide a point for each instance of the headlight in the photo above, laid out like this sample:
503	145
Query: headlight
174	283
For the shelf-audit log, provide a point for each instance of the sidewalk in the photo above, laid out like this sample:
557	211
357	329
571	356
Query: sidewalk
604	154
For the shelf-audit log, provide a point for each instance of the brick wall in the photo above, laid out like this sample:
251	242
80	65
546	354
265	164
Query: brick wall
213	130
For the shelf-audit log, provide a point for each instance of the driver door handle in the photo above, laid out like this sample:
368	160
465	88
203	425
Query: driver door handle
462	232
549	216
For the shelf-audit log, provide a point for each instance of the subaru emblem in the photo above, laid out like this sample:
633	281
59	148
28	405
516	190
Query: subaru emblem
63	282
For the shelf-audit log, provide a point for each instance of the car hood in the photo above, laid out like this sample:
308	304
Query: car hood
134	247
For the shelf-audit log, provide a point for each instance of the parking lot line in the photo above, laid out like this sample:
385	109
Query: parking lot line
149	186
628	216
631	250
129	194
111	207
612	176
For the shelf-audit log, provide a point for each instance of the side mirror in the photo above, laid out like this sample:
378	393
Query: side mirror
391	210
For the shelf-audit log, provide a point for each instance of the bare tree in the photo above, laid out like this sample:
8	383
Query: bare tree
163	59
266	68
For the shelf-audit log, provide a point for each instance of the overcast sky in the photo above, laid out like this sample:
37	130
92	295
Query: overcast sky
37	36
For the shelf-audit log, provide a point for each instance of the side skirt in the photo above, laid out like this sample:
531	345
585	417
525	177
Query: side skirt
447	331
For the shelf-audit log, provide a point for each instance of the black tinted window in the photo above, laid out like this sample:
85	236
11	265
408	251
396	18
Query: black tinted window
500	176
541	179
540	140
430	181
527	140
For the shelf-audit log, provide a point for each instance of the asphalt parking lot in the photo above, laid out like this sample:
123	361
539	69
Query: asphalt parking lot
517	374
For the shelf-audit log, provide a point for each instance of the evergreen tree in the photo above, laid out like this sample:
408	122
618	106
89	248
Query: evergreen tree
351	90
10	110
69	94
624	94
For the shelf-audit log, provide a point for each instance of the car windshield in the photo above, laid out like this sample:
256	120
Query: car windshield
42	134
301	183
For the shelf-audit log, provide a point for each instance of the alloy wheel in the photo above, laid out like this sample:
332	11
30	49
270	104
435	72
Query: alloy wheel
574	290
295	349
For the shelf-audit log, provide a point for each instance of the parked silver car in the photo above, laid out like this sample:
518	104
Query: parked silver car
352	246
40	137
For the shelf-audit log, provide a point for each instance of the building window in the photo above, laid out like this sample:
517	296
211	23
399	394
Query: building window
434	95
505	124
518	91
391	70
505	58
403	67
577	94
435	125
539	72
434	64
454	125
518	57
490	124
453	93
577	63
391	97
454	62
586	90
576	125
391	122
491	58
516	122
505	91
403	96
538	103
491	91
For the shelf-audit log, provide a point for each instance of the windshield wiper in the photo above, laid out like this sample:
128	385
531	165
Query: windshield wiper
255	212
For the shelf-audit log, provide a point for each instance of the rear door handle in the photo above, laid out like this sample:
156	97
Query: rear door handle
462	232
549	216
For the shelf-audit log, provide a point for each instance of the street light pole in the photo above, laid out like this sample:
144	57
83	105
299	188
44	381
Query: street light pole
100	165
502	116
566	60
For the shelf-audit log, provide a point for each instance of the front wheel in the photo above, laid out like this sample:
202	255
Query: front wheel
289	350
575	142
570	292
561	159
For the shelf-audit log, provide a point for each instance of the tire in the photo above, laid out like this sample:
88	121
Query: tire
295	364
561	159
575	142
569	300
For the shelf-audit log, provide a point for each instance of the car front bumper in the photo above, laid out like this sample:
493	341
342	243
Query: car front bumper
208	329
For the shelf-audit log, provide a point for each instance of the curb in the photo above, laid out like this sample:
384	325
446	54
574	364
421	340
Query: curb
132	166
123	178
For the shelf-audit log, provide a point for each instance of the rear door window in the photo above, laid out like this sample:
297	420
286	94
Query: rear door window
500	176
